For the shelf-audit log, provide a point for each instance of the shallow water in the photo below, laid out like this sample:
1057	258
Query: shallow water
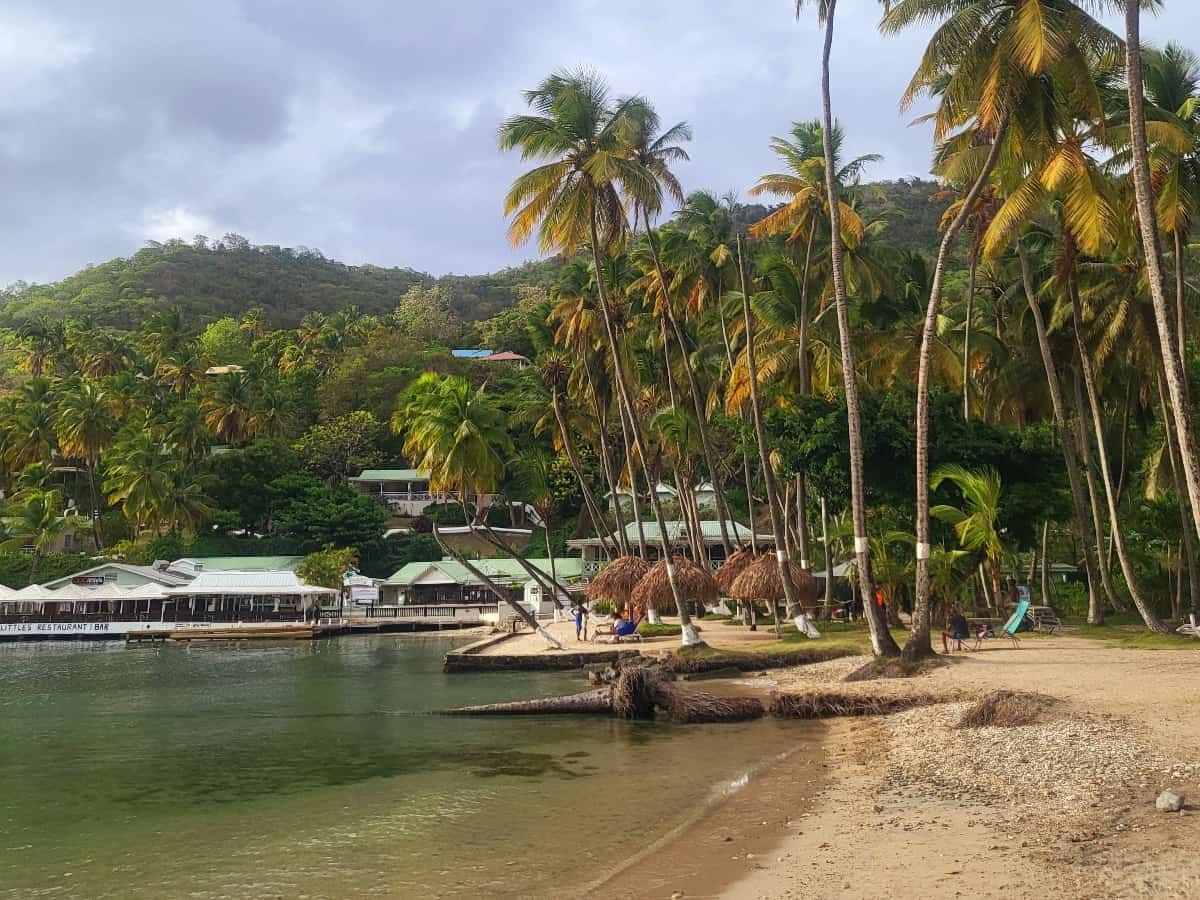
307	770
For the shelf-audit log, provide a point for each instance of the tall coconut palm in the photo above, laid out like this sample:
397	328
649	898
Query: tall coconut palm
656	152
881	639
1148	225
575	200
982	61
86	428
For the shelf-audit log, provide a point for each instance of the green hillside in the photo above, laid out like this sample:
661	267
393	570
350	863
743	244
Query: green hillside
226	278
209	279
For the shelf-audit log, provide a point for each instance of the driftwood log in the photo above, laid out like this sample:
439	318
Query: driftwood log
638	693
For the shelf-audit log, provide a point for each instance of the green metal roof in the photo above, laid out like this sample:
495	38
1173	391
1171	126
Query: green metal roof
246	563
500	569
677	531
392	475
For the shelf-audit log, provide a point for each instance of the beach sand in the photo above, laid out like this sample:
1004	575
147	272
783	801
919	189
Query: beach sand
908	805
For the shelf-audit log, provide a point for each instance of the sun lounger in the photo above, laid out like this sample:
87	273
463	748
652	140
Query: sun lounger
1010	627
1191	628
1045	619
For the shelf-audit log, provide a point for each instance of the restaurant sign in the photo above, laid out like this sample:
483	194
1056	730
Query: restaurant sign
88	580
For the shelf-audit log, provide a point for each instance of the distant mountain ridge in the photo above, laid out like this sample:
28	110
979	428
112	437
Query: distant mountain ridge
209	279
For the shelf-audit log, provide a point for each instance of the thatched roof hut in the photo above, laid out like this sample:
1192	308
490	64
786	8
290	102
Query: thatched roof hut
732	568
761	581
695	583
617	580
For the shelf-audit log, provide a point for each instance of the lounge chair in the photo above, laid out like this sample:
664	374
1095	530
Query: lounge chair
1191	628
1045	619
1010	627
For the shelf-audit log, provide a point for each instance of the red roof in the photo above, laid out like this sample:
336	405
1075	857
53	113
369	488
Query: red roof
506	356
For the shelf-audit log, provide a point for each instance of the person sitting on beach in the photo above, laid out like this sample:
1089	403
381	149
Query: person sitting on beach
956	629
608	627
624	627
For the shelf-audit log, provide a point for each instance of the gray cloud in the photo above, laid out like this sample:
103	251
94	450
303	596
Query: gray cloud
367	128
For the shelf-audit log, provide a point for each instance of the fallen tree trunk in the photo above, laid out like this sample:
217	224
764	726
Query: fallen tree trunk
587	703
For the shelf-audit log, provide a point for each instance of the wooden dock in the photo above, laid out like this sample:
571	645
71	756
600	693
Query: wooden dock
245	633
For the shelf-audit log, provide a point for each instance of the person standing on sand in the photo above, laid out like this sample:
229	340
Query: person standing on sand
580	622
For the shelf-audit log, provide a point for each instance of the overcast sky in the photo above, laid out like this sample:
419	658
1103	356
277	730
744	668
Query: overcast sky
366	128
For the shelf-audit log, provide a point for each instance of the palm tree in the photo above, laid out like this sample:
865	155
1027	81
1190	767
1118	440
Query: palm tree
454	432
30	435
982	61
655	152
760	433
457	433
1147	219
535	473
86	428
881	639
36	520
229	408
184	503
575	200
976	524
136	476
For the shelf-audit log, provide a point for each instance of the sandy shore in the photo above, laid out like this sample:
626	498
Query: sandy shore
716	634
909	805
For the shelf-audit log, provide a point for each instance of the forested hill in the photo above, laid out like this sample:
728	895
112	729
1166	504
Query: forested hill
209	279
206	280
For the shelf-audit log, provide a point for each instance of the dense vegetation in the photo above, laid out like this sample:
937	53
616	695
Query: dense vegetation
1023	372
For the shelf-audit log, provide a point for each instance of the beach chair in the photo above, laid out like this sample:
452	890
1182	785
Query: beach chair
1010	627
1045	619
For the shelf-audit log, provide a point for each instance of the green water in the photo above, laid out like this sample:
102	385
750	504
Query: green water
307	770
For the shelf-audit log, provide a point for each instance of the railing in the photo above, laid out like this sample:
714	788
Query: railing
438	611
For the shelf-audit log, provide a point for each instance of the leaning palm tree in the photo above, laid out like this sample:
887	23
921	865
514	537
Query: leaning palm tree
881	639
574	199
1148	225
457	433
136	477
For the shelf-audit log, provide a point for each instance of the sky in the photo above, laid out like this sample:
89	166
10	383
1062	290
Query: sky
367	128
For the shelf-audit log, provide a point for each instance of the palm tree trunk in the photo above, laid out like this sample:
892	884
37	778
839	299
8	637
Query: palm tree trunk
750	502
881	639
550	556
606	460
1083	528
1189	541
971	271
666	348
1094	413
522	613
632	475
918	643
802	538
828	560
710	458
1148	225
91	467
688	634
1047	600
1083	444
1181	308
589	500
760	432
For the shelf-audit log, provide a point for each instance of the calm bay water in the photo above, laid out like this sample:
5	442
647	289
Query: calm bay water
309	770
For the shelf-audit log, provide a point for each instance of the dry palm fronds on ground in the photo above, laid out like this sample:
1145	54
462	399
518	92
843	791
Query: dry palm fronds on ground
755	662
1006	709
827	703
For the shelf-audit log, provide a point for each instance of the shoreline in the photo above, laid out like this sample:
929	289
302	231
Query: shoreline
912	805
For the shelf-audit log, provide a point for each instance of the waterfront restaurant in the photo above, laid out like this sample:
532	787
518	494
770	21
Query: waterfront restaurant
677	539
248	597
449	583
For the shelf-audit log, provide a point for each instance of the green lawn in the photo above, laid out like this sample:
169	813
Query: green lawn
1135	637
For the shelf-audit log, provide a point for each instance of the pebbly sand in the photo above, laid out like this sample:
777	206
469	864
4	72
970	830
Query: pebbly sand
908	805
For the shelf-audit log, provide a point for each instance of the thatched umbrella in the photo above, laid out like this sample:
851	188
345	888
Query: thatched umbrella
761	581
695	583
617	580
732	568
